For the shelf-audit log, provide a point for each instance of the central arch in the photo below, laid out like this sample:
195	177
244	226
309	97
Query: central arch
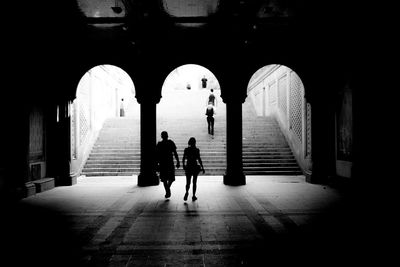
181	112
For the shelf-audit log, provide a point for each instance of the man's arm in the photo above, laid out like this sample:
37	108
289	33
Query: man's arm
177	159
157	159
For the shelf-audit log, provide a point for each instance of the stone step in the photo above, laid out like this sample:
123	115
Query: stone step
265	149
272	168
213	156
121	169
114	157
273	172
264	145
269	164
269	160
207	173
113	161
258	157
220	164
137	161
207	161
203	151
251	153
101	173
44	184
246	153
90	165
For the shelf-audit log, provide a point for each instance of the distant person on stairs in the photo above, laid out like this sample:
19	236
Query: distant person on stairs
211	98
191	156
210	118
165	151
122	108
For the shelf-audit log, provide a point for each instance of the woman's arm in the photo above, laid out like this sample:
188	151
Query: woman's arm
177	159
184	159
200	161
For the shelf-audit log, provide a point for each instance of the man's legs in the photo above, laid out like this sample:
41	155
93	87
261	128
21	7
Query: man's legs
167	189
212	125
209	125
167	186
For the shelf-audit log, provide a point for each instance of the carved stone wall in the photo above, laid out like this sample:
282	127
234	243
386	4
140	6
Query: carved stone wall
36	135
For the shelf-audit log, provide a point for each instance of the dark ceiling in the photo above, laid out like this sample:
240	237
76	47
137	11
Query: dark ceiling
138	33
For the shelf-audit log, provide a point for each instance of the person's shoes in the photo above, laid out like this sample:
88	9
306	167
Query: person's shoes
194	198
186	196
168	194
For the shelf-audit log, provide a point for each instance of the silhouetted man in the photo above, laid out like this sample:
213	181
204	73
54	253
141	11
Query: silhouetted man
165	151
211	98
204	82
210	118
122	109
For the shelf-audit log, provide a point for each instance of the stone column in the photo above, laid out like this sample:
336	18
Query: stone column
323	136
148	139
234	164
63	174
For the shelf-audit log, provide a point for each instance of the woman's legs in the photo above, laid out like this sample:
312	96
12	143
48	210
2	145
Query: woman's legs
188	178
194	186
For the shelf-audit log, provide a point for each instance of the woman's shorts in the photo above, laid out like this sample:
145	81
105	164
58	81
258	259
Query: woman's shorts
192	171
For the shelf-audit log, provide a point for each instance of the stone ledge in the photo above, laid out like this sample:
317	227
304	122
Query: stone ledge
44	184
29	189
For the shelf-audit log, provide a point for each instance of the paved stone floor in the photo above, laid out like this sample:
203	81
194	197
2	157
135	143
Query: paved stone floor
110	221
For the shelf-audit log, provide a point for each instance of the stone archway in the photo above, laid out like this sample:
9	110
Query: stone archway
103	114
276	99
181	112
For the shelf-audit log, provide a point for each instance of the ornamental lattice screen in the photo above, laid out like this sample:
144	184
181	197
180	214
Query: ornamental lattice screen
84	114
282	95
272	94
296	105
308	130
73	130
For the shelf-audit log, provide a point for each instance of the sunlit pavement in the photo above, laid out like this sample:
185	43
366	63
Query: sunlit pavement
113	222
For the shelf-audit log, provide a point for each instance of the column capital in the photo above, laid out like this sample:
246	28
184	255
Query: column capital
148	98
232	98
233	88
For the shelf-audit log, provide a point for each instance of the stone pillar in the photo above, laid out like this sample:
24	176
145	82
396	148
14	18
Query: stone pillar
323	136
234	164
148	139
63	173
15	154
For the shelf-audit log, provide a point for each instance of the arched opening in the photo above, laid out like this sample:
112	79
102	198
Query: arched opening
105	124
182	113
276	124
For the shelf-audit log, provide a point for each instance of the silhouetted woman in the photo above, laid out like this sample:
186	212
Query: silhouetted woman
191	156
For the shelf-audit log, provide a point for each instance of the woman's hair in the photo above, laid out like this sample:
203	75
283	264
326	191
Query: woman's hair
192	141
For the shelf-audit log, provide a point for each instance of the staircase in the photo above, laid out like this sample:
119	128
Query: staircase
212	148
265	150
116	151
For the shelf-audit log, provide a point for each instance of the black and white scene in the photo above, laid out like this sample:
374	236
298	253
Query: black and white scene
187	133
